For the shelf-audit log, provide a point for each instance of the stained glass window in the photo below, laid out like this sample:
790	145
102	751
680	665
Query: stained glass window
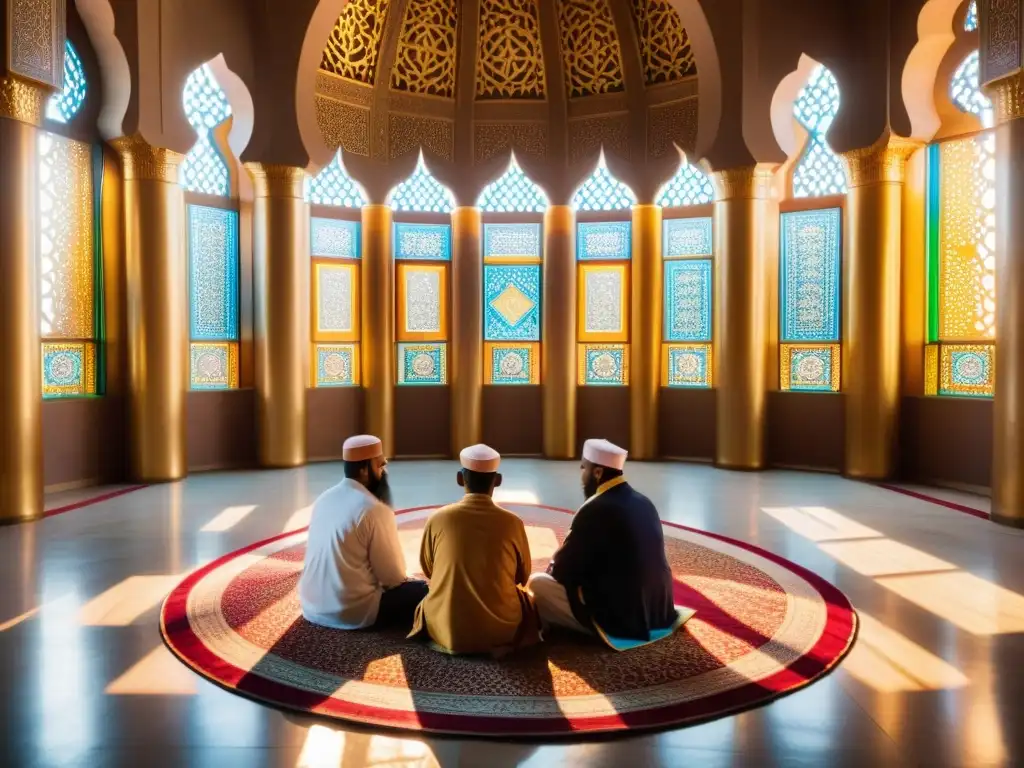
513	192
687	285
333	186
809	290
68	268
422	192
971	19
422	256
63	106
335	301
512	303
965	90
601	191
206	106
603	251
213	296
819	171
689	186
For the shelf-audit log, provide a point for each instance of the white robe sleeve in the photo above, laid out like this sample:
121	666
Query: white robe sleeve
387	561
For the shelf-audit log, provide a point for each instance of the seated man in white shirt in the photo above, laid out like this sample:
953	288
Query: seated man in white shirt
354	571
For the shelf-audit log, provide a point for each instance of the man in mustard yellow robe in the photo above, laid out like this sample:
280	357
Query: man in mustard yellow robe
477	558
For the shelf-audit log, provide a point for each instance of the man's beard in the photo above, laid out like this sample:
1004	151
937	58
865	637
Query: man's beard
590	487
379	487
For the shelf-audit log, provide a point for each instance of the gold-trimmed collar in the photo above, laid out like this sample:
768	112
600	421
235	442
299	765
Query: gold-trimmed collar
604	488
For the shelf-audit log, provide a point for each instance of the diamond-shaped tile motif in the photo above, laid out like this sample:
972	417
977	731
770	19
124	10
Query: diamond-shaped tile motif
512	302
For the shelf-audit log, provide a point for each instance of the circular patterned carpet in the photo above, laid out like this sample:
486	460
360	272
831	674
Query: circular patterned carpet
763	627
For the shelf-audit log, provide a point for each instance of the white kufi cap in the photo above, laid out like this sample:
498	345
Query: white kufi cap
480	458
361	448
604	453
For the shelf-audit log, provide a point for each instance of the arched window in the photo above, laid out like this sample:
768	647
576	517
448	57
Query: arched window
513	192
335	252
333	186
961	243
421	192
819	171
63	106
206	107
422	243
603	251
687	280
66	247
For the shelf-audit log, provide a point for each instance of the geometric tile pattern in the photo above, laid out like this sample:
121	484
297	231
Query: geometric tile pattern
689	186
421	192
686	365
511	363
686	237
63	106
512	302
601	191
214	365
810	367
422	302
513	191
334	238
687	303
603	302
604	241
69	369
423	242
336	365
206	107
967	370
603	365
335	301
512	241
819	171
422	364
809	279
333	186
213	273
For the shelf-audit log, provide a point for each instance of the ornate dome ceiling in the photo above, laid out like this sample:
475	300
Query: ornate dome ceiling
469	79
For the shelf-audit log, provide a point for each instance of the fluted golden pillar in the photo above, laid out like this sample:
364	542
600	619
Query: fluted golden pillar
1008	416
157	309
645	332
558	349
21	446
745	222
871	318
467	347
378	325
281	312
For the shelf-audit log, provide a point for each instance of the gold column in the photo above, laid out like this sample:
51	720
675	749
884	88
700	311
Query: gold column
645	333
21	442
558	347
1008	414
746	222
157	309
378	329
467	346
871	316
281	311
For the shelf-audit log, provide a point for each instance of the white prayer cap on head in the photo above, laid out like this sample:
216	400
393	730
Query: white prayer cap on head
361	448
604	453
480	458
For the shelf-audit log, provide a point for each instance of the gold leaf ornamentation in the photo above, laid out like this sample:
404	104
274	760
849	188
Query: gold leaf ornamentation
425	61
510	62
590	48
354	45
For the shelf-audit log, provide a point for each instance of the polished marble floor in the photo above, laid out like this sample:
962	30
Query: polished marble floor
936	677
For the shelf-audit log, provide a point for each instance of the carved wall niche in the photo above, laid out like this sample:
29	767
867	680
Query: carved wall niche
490	139
673	123
407	133
343	125
588	135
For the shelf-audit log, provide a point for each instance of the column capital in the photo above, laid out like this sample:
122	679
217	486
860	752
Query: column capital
144	162
274	180
884	162
23	100
748	182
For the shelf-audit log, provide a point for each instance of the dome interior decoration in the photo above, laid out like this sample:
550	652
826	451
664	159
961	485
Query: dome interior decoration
206	106
426	59
664	45
601	191
354	44
63	106
513	191
590	48
688	186
333	186
819	171
510	63
421	192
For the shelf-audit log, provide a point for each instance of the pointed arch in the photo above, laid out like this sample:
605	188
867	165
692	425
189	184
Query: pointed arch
601	191
206	107
513	191
421	191
689	185
334	186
